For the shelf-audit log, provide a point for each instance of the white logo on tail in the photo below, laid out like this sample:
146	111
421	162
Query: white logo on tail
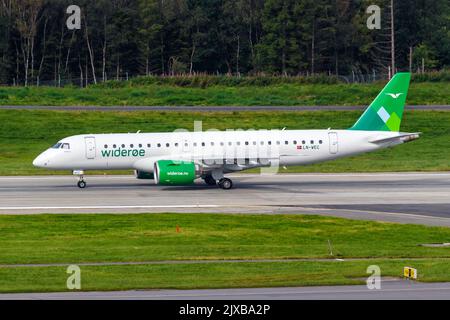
394	95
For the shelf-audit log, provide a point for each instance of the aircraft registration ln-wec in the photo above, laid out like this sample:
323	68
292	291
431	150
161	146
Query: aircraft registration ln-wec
179	158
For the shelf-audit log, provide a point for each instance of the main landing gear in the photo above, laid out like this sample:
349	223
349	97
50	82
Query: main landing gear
81	183
224	183
210	181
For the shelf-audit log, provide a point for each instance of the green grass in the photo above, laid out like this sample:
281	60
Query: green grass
426	93
24	134
215	275
75	239
102	237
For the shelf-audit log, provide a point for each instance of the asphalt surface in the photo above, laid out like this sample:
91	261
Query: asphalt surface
215	108
390	290
422	198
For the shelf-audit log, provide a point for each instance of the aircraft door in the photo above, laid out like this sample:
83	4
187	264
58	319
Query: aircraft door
90	147
334	145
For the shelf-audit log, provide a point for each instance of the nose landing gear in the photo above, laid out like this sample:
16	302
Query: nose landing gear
81	183
216	177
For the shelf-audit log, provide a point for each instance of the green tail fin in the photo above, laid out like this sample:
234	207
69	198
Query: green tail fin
386	111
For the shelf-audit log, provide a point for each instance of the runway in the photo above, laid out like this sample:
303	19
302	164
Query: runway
422	198
390	290
215	108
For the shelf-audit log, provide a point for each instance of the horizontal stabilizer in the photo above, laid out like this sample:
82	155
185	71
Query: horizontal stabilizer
403	137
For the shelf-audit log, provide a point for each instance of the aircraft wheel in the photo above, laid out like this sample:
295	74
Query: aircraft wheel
209	180
81	184
225	183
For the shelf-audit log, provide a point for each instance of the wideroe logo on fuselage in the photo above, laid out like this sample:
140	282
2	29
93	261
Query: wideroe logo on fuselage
123	153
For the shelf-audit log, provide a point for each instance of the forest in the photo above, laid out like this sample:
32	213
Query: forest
120	39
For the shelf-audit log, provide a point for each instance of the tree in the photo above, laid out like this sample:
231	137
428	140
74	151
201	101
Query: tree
26	18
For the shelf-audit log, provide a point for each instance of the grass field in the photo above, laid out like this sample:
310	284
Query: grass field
76	239
24	134
426	93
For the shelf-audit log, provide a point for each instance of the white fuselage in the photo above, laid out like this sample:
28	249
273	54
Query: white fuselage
230	150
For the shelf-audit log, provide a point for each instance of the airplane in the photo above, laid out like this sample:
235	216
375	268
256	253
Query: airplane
181	157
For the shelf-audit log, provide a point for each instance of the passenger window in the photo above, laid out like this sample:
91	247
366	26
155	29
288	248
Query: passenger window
114	146
159	145
286	142
312	141
295	141
238	143
203	144
148	145
123	146
303	142
195	144
246	143
176	144
269	143
254	143
131	145
320	141
106	146
262	143
222	144
212	143
140	145
230	143
278	142
167	145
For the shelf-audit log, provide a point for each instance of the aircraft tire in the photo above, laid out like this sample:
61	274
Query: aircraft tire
81	184
225	183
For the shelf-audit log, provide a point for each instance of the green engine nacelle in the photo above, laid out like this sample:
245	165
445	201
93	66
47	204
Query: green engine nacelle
144	175
168	172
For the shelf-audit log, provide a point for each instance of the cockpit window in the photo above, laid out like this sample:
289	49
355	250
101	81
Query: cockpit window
60	145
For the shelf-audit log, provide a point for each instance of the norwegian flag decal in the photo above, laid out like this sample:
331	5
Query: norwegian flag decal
299	147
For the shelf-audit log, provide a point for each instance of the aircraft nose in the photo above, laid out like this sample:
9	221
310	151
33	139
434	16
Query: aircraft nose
40	162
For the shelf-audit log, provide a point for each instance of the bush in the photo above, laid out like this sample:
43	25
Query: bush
434	76
205	81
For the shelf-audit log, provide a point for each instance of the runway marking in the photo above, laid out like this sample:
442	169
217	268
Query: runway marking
216	206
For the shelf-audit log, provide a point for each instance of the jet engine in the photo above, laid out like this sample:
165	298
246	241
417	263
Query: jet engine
168	172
